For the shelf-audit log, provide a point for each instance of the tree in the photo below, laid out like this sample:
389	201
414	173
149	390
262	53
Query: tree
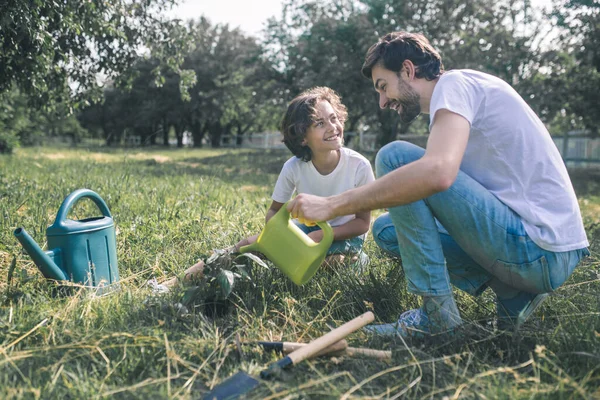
236	89
324	43
19	124
52	50
571	87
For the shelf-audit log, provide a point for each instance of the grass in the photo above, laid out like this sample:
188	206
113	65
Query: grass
171	208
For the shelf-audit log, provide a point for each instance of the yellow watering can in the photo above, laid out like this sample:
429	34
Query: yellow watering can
290	249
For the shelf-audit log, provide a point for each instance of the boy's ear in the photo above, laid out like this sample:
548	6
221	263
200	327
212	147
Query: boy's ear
303	143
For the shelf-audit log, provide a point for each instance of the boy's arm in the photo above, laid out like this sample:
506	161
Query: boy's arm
356	227
275	206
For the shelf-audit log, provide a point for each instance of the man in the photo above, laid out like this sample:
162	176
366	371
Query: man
488	203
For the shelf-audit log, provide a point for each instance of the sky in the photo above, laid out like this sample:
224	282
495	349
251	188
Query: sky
250	16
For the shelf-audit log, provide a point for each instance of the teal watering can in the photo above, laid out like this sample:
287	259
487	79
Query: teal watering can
83	251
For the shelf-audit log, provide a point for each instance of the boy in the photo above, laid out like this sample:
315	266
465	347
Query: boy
313	130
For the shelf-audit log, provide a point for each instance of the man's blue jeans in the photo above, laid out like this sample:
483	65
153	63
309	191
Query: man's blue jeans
464	236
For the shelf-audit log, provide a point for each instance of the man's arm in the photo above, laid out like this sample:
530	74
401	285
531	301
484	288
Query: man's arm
433	173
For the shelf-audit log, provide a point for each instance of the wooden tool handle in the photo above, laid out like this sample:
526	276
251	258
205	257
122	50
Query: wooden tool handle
337	347
330	338
368	353
334	350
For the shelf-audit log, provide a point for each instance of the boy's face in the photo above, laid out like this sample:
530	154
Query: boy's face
326	132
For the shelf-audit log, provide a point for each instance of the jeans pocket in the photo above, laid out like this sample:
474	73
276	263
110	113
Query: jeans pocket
531	277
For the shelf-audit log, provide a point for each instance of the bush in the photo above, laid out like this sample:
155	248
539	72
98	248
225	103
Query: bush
8	139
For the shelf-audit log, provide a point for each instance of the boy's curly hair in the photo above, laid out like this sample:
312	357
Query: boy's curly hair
300	115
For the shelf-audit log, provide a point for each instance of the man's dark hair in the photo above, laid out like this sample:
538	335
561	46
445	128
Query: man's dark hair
393	49
300	115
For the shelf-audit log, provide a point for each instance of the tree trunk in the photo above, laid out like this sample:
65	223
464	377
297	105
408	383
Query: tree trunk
179	134
389	128
153	133
198	132
215	135
165	132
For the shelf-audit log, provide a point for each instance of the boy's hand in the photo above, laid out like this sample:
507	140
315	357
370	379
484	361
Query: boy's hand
246	242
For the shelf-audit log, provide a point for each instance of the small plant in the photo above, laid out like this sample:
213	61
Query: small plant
223	271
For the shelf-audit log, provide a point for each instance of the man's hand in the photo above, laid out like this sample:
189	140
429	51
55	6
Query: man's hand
309	209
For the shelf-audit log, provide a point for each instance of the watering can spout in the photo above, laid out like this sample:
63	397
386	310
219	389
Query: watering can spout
43	260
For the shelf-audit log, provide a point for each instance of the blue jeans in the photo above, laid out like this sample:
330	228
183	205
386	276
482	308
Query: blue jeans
464	236
346	246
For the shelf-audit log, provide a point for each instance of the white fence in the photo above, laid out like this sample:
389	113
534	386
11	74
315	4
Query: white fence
273	140
578	148
265	140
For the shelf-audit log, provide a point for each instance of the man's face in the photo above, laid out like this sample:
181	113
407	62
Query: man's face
396	93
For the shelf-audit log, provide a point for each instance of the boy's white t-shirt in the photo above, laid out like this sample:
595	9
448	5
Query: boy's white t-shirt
511	153
353	170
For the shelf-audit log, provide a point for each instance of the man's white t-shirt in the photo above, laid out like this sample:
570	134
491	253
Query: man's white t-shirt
353	170
511	153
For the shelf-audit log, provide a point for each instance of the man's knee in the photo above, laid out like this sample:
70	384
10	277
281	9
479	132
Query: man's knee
384	232
396	154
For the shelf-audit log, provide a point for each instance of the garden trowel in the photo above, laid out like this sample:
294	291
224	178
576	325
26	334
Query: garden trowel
241	383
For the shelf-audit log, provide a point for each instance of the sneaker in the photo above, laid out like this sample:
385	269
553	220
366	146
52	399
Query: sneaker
156	287
513	312
360	261
437	315
412	323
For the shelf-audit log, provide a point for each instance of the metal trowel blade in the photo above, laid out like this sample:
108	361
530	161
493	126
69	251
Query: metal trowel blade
233	387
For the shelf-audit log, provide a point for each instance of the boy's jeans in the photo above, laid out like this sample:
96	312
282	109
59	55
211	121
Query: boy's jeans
464	236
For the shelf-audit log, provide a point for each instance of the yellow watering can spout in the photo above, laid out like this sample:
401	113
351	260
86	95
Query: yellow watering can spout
290	249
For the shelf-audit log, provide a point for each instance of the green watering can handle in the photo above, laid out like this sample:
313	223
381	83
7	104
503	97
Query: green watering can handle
74	197
327	234
325	227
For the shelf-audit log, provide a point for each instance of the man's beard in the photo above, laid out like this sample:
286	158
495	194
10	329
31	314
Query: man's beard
410	102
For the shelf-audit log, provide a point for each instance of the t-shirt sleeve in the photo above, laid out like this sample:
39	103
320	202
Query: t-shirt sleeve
285	186
364	173
454	93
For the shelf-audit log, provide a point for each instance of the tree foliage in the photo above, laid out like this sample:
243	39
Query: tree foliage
231	93
212	80
54	50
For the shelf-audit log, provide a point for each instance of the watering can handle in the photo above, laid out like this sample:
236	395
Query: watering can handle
327	234
325	227
74	197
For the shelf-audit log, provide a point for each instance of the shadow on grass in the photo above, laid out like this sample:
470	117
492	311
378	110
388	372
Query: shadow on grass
248	167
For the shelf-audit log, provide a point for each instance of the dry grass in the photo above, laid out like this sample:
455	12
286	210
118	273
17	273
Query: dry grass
171	209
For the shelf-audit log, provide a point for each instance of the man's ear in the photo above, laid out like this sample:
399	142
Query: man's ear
409	69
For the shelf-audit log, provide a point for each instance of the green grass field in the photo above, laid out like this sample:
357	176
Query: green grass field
171	208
